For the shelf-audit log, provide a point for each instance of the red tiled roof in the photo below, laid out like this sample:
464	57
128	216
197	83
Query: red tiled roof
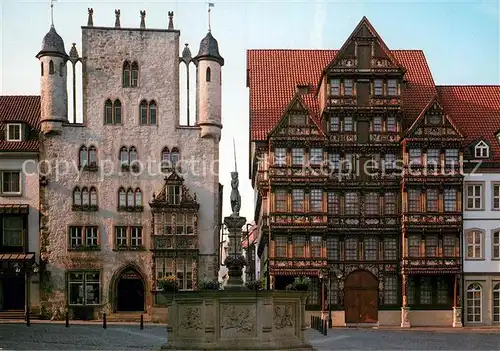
23	109
274	74
476	110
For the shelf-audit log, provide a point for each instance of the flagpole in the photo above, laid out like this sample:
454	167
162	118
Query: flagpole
210	5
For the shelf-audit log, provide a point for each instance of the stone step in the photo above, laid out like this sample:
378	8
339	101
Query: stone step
128	317
15	314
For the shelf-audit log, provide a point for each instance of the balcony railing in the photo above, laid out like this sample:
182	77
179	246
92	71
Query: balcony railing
297	263
412	171
175	242
425	220
297	172
384	137
343	137
385	101
429	264
364	222
299	131
297	219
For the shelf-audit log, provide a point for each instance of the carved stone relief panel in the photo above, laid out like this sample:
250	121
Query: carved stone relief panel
283	319
191	320
238	320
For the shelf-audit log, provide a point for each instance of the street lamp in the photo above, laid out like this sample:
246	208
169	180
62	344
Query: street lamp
29	270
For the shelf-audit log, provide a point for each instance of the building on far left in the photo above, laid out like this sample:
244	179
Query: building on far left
19	205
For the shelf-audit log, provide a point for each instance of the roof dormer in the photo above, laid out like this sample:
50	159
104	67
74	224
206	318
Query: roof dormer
14	132
481	150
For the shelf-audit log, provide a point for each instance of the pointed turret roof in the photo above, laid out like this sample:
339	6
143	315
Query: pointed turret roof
209	50
52	44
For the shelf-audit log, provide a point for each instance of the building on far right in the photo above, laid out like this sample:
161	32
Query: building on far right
477	110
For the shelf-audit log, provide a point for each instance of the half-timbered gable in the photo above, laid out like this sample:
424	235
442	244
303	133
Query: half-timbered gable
174	234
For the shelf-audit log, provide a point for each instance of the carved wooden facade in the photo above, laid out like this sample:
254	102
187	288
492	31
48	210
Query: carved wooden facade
175	233
330	183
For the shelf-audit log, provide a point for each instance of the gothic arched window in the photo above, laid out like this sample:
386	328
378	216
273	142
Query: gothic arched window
61	69
83	156
135	75
208	74
108	112
85	197
122	200
93	196
165	157
92	155
126	74
124	156
143	112
132	154
152	112
175	157
138	197
130	197
51	67
77	197
117	118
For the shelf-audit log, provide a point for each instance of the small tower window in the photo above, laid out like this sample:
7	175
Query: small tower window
208	74
135	74
41	68
61	68
126	74
51	67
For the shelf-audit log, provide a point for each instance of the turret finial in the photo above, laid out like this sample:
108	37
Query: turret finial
143	19
210	5
117	20
170	20
90	20
52	12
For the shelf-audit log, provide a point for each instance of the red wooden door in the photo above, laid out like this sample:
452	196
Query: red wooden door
360	297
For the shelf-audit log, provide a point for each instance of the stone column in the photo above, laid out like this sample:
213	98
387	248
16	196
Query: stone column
235	261
405	321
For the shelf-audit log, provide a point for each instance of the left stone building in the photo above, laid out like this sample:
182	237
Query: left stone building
105	236
19	199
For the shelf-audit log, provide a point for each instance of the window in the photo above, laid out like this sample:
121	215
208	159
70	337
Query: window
371	204
414	200
87	158
126	74
299	245
377	124
132	199
474	194
481	150
414	246
334	161
13	231
41	68
450	248
168	225
128	159
208	75
280	156
351	204
332	292
392	87
85	199
450	200
84	288
431	246
297	200
473	299
135	75
335	87
316	156
390	249
334	124
128	237
316	246
174	194
182	268
297	156
496	196
475	244
391	124
451	157
390	161
14	132
415	157
11	182
432	197
147	112
495	241
443	297
333	203
316	200
165	158
112	112
496	303
348	124
348	84
390	290
83	237
390	204
51	67
332	248
370	246
351	249
184	224
281	200
349	163
298	120
433	156
314	293
425	291
378	87
281	243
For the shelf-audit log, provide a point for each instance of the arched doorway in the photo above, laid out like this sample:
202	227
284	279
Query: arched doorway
360	297
130	292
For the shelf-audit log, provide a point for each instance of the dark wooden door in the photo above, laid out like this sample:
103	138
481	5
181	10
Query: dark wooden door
360	297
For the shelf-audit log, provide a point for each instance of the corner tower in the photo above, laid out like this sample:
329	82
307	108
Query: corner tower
209	84
54	94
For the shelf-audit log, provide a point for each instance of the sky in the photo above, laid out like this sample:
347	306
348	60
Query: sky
459	38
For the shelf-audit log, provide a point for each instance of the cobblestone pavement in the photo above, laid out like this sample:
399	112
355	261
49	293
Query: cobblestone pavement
50	336
373	339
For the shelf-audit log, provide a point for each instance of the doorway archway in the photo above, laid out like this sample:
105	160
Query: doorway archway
361	297
130	291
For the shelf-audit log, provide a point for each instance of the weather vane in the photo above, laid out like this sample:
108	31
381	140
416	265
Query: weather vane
52	12
234	150
210	5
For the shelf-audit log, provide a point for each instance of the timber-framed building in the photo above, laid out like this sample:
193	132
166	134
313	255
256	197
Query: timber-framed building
358	172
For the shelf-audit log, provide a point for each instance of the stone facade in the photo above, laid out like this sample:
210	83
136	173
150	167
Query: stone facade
104	51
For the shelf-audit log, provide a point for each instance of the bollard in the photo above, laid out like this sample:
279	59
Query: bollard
311	322
325	329
28	322
142	322
67	319
104	324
